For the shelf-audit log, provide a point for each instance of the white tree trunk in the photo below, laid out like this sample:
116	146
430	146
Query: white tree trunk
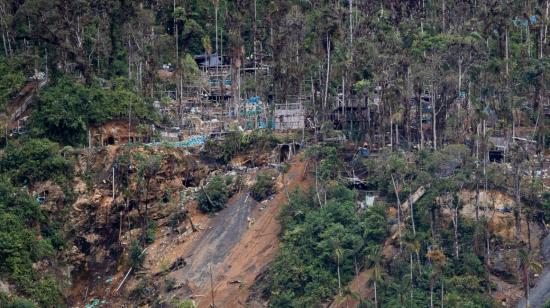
328	73
434	120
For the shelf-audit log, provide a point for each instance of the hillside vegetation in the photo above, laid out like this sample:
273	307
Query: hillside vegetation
128	126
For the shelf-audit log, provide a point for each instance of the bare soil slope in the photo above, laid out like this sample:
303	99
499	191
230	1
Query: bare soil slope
236	245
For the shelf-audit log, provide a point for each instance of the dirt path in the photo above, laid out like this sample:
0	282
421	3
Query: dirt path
236	251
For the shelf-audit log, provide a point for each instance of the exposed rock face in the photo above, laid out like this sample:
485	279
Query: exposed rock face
102	224
504	264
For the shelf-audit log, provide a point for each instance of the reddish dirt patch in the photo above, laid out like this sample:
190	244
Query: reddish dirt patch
359	287
256	248
236	251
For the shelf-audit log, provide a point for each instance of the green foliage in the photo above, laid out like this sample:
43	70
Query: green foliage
447	171
169	284
214	196
329	162
21	245
11	81
236	142
47	292
145	290
191	72
15	302
66	110
183	303
34	160
136	255
225	150
315	242
264	186
151	232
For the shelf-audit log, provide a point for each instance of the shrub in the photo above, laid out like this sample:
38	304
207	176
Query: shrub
169	284
15	302
214	196
226	149
143	291
236	142
151	232
47	293
136	255
183	303
264	186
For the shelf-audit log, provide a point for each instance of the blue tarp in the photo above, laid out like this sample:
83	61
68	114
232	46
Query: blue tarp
524	22
189	142
254	100
363	152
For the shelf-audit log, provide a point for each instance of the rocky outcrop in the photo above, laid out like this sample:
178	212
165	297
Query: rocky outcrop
107	217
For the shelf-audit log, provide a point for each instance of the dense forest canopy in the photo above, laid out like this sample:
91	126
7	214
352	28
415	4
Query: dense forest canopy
473	57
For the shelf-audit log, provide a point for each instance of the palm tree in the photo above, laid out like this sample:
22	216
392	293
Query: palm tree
339	253
373	261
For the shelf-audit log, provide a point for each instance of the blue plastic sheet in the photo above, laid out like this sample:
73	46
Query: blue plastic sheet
254	100
189	142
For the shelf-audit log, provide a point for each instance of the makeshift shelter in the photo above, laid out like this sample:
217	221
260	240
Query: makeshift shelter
289	116
210	61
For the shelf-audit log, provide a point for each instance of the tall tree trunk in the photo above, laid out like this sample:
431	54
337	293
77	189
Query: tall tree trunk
420	128
455	229
412	215
399	214
517	180
434	119
412	277
327	77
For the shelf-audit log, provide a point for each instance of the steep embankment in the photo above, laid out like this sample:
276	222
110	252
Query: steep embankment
234	247
504	256
540	294
102	228
20	103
